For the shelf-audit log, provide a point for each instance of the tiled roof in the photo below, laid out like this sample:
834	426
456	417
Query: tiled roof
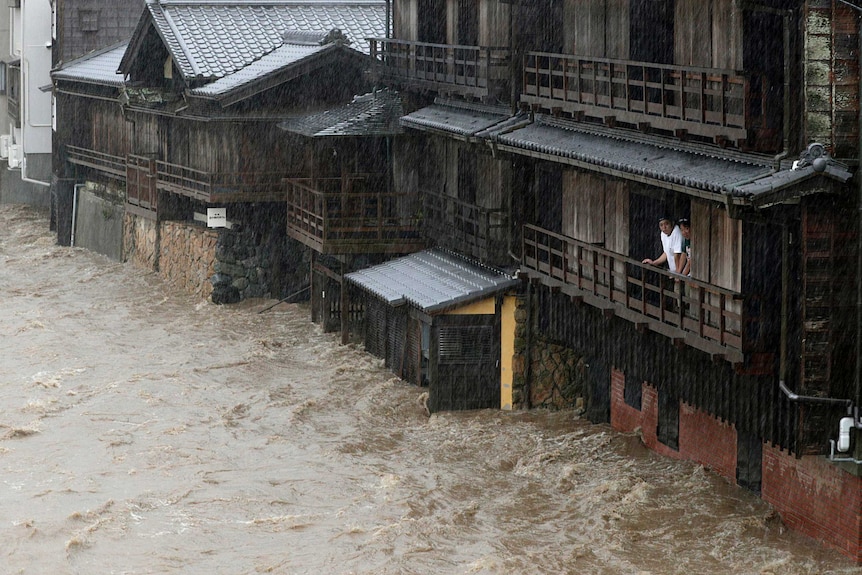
374	114
750	177
663	164
460	119
278	59
432	280
95	68
211	38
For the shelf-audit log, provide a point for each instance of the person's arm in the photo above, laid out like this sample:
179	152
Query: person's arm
680	260
656	262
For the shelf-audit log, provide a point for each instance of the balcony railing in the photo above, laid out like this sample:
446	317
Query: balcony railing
472	230
703	315
446	68
219	186
352	215
707	102
109	164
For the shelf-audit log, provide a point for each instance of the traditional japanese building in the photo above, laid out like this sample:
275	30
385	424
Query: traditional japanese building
551	137
178	127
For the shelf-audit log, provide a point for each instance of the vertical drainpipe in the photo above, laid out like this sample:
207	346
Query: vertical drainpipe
858	395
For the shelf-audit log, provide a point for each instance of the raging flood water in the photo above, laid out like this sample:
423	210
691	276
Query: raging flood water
143	431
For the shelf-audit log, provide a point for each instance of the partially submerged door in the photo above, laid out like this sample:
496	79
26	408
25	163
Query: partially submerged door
464	363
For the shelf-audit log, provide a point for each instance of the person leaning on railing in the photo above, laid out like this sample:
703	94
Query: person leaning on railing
672	249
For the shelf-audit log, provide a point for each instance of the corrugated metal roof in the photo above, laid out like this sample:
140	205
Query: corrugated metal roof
95	68
431	280
212	39
461	120
374	114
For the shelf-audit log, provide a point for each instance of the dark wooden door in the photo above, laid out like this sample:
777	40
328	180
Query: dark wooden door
464	363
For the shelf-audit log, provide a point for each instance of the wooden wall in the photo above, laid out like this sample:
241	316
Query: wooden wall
708	33
596	210
597	28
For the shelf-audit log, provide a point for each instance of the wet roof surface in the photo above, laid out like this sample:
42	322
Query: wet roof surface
374	114
459	119
431	280
95	68
211	39
694	170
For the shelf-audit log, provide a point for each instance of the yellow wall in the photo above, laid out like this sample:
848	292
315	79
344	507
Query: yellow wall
484	307
507	351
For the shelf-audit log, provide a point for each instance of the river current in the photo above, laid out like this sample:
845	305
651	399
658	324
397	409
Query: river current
143	431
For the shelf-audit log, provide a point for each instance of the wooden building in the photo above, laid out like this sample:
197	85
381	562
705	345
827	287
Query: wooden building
578	125
190	123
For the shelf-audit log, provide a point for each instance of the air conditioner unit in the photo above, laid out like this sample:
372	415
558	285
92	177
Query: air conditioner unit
14	156
5	140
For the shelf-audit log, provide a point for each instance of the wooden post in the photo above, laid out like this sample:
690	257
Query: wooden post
345	304
313	288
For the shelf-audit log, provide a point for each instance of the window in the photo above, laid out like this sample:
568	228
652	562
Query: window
668	419
2	77
633	392
88	20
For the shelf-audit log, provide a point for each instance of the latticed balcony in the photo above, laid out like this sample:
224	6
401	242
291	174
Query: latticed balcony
690	312
352	215
470	229
471	71
724	106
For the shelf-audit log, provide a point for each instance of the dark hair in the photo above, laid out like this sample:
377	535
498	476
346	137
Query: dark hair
684	222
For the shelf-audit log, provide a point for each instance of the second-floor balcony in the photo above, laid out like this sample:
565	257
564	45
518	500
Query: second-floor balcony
470	71
471	230
352	215
690	312
723	106
111	165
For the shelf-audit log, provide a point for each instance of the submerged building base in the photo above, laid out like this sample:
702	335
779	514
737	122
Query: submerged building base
812	495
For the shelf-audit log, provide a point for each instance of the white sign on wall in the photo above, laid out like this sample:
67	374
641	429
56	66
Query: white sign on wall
216	217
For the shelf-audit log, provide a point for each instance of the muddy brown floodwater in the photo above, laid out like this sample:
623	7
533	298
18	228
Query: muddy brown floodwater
144	431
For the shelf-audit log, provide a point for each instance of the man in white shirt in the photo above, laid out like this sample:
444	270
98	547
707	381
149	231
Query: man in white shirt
671	243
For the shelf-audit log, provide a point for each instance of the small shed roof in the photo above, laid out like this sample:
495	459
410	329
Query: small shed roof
432	280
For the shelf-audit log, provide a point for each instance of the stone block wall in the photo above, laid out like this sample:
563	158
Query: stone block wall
140	241
557	373
187	256
195	258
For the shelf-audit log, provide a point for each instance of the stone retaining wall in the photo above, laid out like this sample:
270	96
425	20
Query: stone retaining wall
557	373
187	256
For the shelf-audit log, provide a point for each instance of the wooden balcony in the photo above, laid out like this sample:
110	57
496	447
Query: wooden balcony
352	216
690	312
719	105
219	187
471	71
467	228
107	164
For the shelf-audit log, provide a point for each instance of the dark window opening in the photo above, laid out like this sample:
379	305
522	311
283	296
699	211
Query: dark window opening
468	23
467	176
432	21
633	391
668	420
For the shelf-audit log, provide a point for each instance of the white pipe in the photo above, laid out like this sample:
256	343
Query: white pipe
844	427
